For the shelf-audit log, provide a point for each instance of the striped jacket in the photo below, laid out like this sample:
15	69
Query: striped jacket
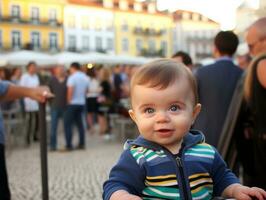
150	171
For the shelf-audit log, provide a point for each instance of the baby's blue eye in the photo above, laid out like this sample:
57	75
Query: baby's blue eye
149	110
174	108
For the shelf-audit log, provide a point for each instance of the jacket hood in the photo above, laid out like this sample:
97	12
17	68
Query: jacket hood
191	138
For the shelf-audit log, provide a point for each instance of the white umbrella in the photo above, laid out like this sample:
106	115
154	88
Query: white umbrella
3	60
23	57
67	58
95	57
126	59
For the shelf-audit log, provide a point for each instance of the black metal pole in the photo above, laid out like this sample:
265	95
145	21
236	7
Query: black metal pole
43	148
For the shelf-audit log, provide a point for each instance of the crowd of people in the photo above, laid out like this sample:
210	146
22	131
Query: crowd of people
83	96
177	108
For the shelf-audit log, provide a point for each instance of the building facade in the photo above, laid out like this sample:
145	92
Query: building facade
194	33
34	25
88	27
140	30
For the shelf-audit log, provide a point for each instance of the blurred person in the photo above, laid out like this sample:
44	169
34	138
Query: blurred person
130	70
242	56
117	84
184	58
216	85
92	95
15	78
77	87
243	61
31	79
104	100
58	87
168	160
9	92
5	75
255	96
16	75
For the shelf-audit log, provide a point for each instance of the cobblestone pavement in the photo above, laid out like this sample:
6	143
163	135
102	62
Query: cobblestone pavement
78	174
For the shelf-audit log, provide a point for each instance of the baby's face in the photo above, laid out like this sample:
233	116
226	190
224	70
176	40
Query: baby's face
165	115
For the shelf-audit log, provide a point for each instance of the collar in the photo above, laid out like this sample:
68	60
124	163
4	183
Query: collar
192	138
224	58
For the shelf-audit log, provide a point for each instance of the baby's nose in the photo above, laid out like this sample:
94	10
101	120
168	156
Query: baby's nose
162	116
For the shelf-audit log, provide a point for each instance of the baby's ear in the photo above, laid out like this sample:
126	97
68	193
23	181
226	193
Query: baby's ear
196	111
132	115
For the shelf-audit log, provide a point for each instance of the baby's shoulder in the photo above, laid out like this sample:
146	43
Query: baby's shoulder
144	154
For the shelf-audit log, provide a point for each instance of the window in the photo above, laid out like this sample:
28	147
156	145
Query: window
16	39
125	45
109	25
72	43
137	6
35	40
85	23
98	24
85	43
52	15
164	48
15	12
71	21
185	15
99	44
151	8
107	4
195	17
124	26
139	45
110	45
53	41
92	21
151	45
123	5
35	14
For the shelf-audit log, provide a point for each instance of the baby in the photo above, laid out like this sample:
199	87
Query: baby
168	160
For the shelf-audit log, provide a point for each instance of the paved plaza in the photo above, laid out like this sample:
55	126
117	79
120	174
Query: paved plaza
78	174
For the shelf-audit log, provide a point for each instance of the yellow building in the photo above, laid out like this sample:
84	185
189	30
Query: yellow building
27	24
194	33
140	29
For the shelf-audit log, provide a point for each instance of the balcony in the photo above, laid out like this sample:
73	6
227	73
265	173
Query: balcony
147	31
29	21
6	47
152	53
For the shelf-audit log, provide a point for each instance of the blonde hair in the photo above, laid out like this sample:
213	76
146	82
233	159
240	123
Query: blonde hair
161	73
249	77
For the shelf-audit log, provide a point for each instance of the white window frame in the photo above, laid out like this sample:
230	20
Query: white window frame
51	46
36	45
19	39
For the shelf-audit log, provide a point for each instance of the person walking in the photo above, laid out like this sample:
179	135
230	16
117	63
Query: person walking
77	87
216	85
58	87
91	100
31	79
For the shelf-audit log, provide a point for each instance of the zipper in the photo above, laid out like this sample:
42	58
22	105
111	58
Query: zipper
183	180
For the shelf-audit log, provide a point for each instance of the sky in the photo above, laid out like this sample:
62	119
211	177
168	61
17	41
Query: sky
222	11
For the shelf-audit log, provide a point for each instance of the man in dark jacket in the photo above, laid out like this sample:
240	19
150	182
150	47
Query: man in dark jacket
216	84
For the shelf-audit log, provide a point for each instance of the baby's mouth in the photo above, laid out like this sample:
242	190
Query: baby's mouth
164	132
